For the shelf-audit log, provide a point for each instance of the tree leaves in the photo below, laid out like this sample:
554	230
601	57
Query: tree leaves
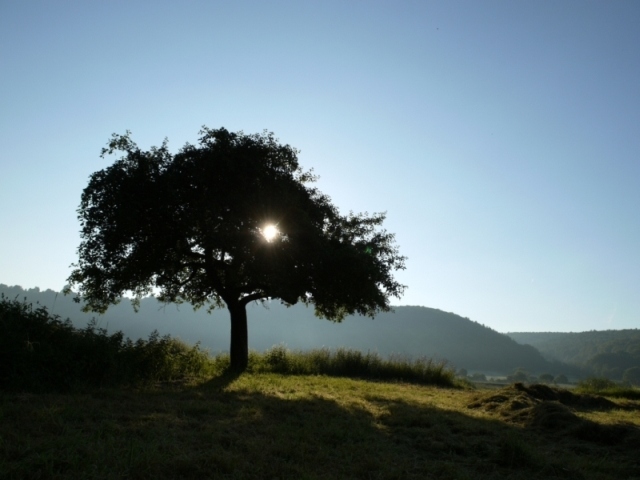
187	227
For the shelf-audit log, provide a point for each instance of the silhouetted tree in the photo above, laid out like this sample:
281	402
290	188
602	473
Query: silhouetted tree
230	221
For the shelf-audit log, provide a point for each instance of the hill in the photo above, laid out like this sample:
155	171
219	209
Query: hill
608	353
408	331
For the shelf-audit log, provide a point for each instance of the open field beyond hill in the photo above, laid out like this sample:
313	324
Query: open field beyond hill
265	425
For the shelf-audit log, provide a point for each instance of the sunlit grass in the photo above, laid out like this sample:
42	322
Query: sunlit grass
346	363
163	410
269	425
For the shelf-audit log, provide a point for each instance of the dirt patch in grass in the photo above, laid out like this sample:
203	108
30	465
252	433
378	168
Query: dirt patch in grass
554	410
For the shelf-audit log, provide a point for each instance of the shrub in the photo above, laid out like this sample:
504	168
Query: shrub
41	352
545	378
596	384
606	388
518	375
632	375
561	379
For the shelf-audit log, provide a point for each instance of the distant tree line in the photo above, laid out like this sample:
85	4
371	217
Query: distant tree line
614	354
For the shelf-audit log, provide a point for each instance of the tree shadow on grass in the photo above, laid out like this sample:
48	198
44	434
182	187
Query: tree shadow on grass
222	381
213	431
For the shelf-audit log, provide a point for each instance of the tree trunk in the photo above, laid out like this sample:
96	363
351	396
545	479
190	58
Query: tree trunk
239	349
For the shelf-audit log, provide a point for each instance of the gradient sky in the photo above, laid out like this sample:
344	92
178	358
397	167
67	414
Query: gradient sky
502	138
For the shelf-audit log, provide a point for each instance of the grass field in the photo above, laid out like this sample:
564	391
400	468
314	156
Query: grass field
268	425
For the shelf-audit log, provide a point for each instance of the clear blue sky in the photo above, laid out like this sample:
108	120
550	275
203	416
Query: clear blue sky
502	138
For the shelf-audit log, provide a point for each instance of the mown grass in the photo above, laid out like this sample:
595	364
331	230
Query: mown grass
174	412
267	425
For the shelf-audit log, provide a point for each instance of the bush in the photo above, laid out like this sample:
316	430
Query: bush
545	378
161	359
41	352
607	388
518	375
632	376
561	379
596	384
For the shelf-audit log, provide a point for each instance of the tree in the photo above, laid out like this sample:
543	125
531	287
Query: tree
632	375
519	375
561	379
228	222
545	378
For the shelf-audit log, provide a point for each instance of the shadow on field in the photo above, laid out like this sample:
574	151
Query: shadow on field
220	430
283	436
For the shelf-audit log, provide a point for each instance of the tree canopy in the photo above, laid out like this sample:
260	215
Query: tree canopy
232	220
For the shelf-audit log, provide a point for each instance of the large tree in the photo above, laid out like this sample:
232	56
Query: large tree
228	222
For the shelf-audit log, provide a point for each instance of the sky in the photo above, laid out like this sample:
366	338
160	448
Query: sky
502	138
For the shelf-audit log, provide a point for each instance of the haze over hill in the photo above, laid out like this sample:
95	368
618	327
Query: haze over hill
408	331
608	353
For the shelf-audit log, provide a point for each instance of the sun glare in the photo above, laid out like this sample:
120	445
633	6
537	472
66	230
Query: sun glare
270	232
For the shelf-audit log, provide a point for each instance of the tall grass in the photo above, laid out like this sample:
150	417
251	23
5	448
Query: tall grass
347	363
42	352
607	388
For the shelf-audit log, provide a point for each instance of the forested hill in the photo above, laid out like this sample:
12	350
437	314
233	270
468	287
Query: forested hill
408	331
606	353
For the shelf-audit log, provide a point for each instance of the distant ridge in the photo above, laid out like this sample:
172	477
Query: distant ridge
408	331
579	347
607	353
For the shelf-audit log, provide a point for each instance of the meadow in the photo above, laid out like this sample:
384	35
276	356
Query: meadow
299	415
269	425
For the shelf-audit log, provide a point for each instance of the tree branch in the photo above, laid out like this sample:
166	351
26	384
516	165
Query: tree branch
252	297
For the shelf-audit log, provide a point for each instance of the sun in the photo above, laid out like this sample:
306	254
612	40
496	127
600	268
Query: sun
270	232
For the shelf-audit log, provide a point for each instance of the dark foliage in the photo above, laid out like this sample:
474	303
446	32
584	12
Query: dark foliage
190	227
42	352
406	331
632	376
608	388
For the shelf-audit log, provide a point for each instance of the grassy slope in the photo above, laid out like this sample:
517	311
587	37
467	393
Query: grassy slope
276	426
